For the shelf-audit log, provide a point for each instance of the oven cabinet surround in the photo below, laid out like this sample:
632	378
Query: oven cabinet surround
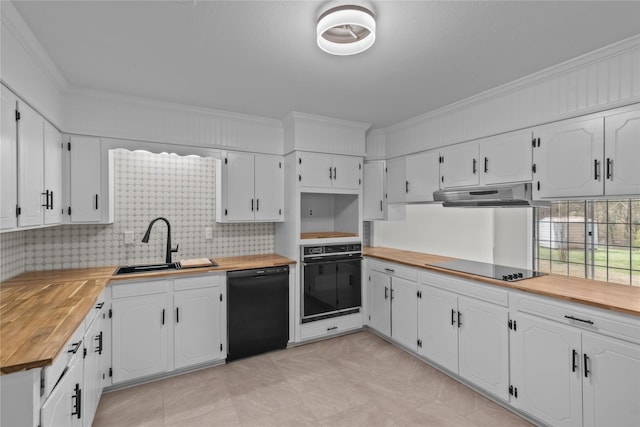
165	325
413	178
579	372
90	174
67	392
500	159
31	174
392	293
463	327
250	188
589	156
329	171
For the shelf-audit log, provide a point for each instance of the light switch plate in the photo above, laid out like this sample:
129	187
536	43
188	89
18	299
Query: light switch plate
208	233
128	237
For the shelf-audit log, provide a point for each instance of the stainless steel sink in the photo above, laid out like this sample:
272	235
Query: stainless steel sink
146	268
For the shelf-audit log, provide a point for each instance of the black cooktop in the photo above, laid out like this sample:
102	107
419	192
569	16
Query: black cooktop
493	271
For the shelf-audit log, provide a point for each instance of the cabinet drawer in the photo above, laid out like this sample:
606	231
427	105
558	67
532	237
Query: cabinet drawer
392	269
327	327
72	347
132	289
481	291
96	310
613	324
198	282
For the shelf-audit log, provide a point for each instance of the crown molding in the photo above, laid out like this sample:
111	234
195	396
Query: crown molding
630	44
13	21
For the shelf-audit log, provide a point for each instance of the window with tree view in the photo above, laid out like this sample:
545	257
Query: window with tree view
595	239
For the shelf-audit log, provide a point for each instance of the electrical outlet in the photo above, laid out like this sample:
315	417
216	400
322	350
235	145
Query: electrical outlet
208	233
128	237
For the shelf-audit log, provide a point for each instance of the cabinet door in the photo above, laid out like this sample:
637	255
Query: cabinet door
105	357
373	193
380	308
8	160
92	377
197	326
397	184
459	167
31	167
85	179
483	345
437	327
52	174
423	174
622	151
140	336
542	361
347	172
316	170
63	406
238	188
569	159
506	158
611	388
404	312
269	188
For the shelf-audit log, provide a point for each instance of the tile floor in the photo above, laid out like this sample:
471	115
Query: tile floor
353	380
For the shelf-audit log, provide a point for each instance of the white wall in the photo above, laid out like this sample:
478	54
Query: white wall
456	232
512	237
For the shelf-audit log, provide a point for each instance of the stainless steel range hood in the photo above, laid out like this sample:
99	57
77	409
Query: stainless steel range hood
498	196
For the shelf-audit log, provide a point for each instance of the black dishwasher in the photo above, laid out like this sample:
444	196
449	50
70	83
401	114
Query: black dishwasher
257	311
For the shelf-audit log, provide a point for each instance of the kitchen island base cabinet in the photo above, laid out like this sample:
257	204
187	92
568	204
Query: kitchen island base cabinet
163	325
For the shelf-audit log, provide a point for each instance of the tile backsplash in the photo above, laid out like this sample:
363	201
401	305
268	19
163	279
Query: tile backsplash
181	189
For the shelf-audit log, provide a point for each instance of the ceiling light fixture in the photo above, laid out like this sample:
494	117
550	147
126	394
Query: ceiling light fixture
346	30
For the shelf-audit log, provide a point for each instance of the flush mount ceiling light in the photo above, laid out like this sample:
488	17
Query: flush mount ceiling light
346	30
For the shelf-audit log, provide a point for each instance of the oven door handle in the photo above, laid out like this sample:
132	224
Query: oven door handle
332	261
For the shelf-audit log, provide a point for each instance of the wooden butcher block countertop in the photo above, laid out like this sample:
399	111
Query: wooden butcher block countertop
39	311
611	296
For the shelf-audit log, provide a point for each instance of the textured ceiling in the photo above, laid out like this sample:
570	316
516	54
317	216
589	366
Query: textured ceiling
261	58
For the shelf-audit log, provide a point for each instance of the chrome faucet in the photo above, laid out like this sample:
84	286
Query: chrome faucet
170	250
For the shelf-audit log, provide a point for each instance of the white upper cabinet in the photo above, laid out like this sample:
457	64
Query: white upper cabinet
396	179
622	153
568	158
85	195
269	188
317	170
31	197
506	158
8	161
251	188
53	212
422	172
459	165
373	192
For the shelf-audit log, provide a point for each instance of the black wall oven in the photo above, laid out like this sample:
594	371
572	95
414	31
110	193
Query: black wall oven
331	281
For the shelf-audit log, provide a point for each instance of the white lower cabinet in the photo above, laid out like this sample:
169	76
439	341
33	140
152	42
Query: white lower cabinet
163	325
196	310
393	302
466	336
63	407
545	371
572	365
611	388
